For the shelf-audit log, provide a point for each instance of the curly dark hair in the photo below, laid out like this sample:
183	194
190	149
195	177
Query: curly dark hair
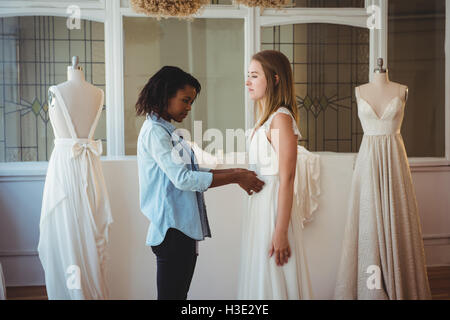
162	86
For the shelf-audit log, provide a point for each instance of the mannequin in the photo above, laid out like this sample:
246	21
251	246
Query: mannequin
383	228
82	100
75	213
380	91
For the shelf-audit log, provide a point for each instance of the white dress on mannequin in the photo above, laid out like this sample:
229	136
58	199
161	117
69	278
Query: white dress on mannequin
383	236
75	215
259	276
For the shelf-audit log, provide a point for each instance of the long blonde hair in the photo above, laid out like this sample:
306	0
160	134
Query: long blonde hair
281	94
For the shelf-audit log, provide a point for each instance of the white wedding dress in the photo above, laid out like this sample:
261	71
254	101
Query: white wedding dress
75	214
259	276
383	230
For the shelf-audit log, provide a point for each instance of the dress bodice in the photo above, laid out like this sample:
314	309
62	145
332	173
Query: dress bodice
263	158
388	123
61	120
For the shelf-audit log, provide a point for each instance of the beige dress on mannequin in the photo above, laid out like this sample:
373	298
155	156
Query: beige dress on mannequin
75	214
382	254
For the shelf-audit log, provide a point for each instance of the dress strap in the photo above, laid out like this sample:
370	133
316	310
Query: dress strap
403	96
65	111
99	112
285	111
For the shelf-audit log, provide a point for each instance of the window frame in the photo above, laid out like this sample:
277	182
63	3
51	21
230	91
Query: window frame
111	13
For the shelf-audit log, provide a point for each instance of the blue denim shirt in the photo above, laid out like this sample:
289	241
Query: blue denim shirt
170	191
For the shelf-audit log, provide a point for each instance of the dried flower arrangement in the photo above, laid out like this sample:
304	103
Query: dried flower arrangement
166	8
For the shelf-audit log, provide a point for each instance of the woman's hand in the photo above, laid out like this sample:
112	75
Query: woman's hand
280	247
248	180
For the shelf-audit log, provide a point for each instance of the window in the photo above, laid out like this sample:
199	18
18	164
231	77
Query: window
417	59
328	62
331	51
210	49
34	55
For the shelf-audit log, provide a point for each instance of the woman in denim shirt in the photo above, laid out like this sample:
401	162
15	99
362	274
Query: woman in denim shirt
171	184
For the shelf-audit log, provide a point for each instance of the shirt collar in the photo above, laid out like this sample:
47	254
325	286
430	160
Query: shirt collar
166	124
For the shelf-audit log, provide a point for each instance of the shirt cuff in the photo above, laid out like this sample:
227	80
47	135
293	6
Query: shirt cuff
205	180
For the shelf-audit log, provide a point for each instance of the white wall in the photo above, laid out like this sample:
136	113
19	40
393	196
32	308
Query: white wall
132	265
433	196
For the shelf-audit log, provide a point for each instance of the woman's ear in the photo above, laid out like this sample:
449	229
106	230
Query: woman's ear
277	79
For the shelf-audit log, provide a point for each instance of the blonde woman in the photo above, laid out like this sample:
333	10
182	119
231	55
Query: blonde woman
272	258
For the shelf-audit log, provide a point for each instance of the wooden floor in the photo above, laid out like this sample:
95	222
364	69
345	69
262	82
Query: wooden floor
26	293
439	278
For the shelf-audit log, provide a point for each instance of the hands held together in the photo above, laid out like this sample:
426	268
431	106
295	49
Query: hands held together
248	180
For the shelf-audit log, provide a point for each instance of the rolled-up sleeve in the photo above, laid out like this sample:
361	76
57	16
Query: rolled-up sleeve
161	149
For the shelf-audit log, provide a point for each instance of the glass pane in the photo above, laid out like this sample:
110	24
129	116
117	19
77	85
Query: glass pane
34	55
212	50
417	59
328	3
328	62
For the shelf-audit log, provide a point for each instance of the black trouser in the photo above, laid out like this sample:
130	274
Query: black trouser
175	257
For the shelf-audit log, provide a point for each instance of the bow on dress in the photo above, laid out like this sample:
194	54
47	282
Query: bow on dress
83	149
